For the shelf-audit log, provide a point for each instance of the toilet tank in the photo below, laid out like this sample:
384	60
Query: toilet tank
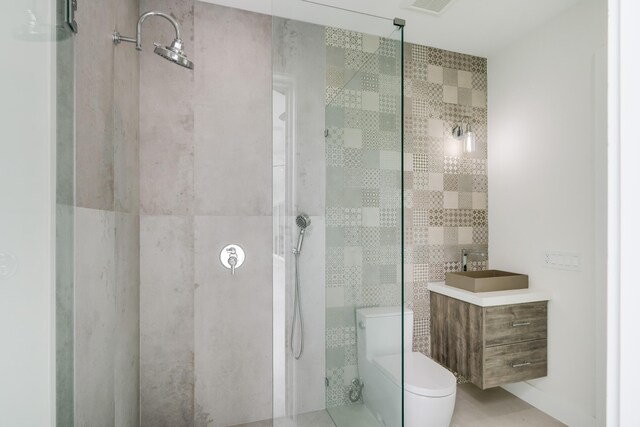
379	331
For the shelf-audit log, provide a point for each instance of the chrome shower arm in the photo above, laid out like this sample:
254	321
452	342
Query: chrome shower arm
117	37
148	14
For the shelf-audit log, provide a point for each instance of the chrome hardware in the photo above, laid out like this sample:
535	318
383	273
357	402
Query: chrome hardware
464	256
173	52
399	22
233	260
355	392
519	365
516	324
232	257
70	12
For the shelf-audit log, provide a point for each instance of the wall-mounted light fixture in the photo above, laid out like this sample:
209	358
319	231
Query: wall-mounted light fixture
462	131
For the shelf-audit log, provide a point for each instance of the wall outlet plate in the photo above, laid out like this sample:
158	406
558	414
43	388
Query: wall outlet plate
563	260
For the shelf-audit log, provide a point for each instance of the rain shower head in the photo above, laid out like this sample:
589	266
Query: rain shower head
173	53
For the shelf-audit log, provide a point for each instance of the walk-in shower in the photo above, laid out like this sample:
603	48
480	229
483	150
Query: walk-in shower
173	52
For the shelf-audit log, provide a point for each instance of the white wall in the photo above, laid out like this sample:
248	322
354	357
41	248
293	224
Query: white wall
624	209
546	144
26	218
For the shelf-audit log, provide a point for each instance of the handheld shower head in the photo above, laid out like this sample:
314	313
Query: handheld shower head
302	221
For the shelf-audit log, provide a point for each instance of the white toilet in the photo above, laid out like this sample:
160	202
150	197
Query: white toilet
429	389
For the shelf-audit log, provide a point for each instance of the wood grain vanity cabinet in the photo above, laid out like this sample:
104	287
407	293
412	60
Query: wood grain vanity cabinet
490	346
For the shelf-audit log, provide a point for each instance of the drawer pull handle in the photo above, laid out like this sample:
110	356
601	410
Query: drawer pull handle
520	365
516	324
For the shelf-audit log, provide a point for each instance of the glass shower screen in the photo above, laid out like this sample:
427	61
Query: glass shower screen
337	158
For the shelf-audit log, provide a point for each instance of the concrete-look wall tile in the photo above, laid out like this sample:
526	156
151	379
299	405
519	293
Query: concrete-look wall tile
166	117
299	70
233	151
95	296
166	321
127	322
310	368
126	113
65	125
64	314
233	318
94	54
233	175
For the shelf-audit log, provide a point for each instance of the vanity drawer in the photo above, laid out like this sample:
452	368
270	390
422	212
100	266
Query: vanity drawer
506	324
512	363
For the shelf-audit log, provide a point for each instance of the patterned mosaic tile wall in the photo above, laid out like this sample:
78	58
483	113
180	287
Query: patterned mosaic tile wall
445	189
445	195
363	254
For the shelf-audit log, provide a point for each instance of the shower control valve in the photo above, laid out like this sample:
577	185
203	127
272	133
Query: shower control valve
232	257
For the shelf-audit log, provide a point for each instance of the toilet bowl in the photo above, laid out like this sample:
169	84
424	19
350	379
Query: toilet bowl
429	389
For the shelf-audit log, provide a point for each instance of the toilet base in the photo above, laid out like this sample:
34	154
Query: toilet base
382	397
421	411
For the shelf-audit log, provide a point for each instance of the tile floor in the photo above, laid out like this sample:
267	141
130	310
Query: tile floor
474	408
496	407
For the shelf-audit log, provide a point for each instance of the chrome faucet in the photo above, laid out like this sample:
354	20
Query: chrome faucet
464	256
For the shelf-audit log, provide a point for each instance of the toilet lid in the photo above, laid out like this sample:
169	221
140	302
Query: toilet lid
423	376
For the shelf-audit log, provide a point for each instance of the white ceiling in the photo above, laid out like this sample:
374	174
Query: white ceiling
476	27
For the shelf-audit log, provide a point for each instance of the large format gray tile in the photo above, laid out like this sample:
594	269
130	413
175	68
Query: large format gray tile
65	122
126	90
127	322
310	368
166	116
166	321
233	122
233	317
308	419
299	70
64	314
95	295
495	407
94	55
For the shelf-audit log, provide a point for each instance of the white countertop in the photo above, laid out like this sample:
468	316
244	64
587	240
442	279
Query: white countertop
490	299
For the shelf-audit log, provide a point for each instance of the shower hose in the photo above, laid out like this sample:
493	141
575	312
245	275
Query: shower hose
297	312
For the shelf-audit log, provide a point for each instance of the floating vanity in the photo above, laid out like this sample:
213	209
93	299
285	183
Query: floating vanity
491	338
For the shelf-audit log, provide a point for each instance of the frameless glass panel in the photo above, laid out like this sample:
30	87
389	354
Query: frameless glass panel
36	219
337	209
364	228
298	212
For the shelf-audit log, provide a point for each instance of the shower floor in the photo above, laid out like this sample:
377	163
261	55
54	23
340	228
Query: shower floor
344	416
474	408
356	415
